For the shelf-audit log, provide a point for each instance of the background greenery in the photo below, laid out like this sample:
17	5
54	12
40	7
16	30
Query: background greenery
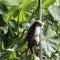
16	17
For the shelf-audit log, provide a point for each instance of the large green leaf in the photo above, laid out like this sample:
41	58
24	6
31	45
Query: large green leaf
48	44
26	9
23	10
47	3
9	15
55	12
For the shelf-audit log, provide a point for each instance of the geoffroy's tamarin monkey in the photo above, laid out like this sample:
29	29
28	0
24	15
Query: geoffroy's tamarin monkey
33	35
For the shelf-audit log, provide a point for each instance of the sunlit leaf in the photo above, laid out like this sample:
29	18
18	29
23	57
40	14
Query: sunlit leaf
47	3
55	12
10	54
59	1
26	10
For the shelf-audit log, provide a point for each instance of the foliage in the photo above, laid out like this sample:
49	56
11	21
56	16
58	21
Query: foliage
16	17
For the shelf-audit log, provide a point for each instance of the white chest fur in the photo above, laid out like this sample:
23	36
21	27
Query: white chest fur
37	30
37	33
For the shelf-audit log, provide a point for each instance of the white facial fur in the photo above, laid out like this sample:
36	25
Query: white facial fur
37	30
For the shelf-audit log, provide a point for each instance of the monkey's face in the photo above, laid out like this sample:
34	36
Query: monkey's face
38	23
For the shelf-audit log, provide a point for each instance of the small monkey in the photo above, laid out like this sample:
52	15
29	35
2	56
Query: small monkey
33	35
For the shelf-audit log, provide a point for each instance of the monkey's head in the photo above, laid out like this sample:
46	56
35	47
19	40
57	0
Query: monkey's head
37	23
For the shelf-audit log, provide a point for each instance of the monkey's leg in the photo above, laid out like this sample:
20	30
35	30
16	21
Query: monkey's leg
32	43
32	50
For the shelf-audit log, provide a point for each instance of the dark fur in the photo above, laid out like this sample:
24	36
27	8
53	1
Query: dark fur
30	36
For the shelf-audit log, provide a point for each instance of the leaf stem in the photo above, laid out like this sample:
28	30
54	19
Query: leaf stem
18	28
40	17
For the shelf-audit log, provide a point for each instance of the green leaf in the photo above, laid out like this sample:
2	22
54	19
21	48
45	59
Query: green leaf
48	44
21	49
2	23
55	12
50	47
20	44
16	13
1	45
32	56
45	30
10	54
9	40
13	2
59	2
36	58
23	10
3	8
26	9
13	24
47	3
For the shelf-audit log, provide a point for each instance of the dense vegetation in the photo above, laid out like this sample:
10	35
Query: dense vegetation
16	17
